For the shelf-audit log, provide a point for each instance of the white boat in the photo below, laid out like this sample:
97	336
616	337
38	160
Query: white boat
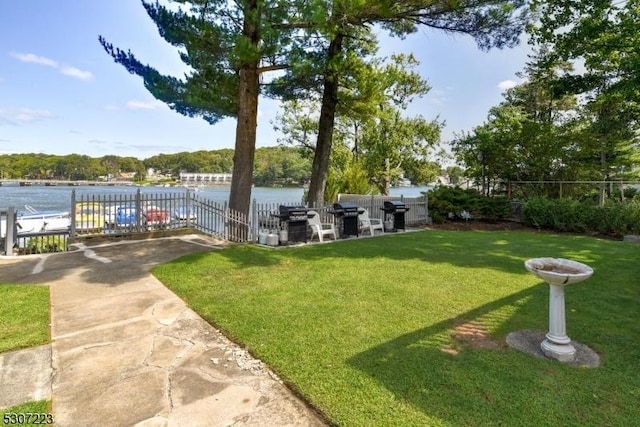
35	221
404	182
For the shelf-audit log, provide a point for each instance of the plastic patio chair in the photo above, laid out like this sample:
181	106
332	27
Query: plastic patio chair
322	229
372	224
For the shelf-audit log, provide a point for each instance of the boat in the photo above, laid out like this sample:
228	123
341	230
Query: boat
403	182
89	217
32	220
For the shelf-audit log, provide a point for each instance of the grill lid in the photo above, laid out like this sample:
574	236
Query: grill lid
345	207
394	206
345	210
287	212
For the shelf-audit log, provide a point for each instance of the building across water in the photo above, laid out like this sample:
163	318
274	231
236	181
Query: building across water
205	178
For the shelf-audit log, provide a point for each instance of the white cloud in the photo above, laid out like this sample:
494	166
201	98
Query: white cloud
507	84
144	105
76	72
2	80
30	57
67	70
24	115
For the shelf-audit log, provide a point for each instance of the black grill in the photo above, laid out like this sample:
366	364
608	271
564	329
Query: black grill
293	213
296	220
394	210
347	218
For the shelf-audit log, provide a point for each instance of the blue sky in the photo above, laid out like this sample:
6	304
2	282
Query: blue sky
60	93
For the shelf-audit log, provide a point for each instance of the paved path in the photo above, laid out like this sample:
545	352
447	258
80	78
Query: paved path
127	351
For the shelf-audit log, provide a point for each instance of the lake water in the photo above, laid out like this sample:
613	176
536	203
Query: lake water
59	197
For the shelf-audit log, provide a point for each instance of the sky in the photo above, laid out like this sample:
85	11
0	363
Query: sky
60	93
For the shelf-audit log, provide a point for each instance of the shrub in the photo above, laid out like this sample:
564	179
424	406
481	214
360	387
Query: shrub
619	218
46	244
615	218
449	203
494	208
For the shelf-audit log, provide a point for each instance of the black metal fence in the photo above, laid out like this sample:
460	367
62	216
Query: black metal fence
14	241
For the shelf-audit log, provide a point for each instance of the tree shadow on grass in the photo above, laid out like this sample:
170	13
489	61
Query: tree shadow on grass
493	250
110	265
484	385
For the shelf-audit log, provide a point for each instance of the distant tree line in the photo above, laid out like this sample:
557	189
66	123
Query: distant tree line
273	166
575	116
70	167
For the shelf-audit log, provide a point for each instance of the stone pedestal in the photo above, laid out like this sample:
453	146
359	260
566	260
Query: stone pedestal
557	344
558	273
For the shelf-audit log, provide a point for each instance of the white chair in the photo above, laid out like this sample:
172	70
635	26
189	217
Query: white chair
318	227
372	224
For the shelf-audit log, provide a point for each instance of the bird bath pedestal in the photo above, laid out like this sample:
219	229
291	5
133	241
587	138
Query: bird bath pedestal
558	273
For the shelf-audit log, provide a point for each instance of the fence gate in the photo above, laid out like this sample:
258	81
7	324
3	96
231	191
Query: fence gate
217	219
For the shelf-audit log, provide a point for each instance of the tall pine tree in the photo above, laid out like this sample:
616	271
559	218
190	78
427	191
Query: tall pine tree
227	46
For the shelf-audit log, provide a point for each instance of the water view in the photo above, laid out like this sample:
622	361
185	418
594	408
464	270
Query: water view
59	198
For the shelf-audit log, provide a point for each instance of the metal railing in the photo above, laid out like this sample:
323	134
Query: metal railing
8	230
15	242
42	243
128	213
124	214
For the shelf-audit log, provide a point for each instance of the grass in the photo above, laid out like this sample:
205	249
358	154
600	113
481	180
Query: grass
24	316
40	407
365	329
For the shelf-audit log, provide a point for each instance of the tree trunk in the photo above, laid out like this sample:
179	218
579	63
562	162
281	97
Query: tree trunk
245	146
603	190
387	177
320	166
243	157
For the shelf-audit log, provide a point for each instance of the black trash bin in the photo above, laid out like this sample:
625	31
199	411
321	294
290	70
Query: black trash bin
347	218
394	211
296	219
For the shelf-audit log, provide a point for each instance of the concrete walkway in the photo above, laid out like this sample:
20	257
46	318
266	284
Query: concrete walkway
126	351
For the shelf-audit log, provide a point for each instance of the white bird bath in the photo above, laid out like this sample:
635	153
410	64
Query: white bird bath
558	273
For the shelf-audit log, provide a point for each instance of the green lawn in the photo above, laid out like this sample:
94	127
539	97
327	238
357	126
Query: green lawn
24	316
365	329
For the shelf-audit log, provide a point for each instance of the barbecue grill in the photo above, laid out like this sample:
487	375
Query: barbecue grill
394	210
296	219
347	218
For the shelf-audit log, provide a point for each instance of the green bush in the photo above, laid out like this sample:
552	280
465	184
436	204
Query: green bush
615	218
449	203
494	208
558	214
46	244
619	218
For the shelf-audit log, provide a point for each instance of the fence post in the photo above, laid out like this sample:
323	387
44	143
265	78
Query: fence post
225	220
426	207
72	230
138	210
10	232
187	208
254	221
